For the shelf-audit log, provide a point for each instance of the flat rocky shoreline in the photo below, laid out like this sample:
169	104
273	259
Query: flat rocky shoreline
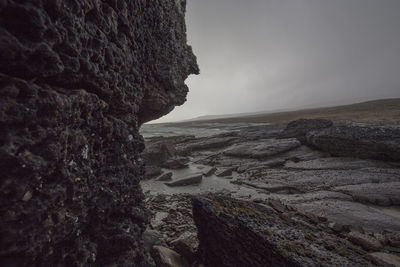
327	194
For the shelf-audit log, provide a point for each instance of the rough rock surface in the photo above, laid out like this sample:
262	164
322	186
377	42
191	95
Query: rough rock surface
299	128
358	140
77	78
366	141
262	149
205	144
239	233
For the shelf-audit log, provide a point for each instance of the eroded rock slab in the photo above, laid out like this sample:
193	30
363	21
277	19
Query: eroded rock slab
358	140
383	194
192	180
311	180
299	128
335	163
385	259
238	233
262	149
354	214
165	177
205	144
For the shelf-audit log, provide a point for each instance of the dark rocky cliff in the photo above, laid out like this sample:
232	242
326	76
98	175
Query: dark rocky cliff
77	78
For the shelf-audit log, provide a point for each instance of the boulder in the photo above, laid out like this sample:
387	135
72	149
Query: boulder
299	128
191	180
358	140
240	233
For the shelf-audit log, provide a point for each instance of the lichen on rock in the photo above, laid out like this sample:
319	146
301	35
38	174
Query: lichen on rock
77	79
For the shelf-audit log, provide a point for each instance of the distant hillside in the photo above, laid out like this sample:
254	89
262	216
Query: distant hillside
383	110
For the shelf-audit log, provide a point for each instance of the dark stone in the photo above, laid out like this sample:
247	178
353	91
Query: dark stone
77	79
299	128
240	233
358	140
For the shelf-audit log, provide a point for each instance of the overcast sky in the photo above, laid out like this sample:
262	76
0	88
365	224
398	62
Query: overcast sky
260	55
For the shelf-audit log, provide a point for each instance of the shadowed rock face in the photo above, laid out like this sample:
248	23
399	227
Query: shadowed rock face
299	128
239	233
77	78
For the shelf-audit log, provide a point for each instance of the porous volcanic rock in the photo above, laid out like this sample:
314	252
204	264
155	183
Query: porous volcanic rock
240	233
77	79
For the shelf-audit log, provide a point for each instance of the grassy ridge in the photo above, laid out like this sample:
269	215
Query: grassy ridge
385	111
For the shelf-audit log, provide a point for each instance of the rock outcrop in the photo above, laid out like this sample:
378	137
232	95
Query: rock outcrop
358	140
262	149
361	140
77	79
240	233
299	128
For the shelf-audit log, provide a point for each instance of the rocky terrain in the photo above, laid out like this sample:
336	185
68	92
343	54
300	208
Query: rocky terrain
309	193
77	79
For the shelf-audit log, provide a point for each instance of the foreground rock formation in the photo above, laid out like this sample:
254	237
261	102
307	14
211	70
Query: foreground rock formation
77	80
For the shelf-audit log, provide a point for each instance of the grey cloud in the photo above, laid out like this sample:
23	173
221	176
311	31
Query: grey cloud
259	55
